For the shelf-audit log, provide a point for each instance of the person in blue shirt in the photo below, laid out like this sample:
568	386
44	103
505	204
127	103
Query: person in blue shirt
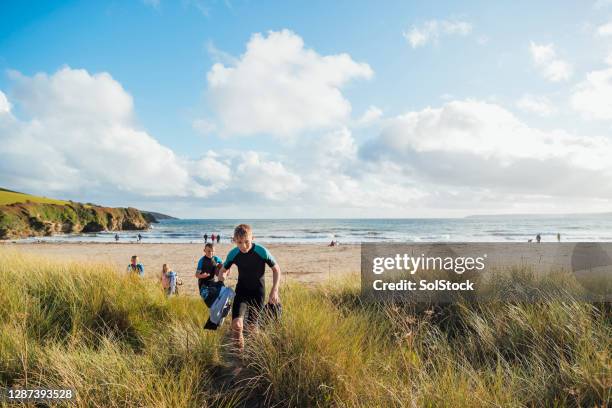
251	260
135	267
207	268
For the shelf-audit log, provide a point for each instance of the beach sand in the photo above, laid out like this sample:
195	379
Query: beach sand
304	263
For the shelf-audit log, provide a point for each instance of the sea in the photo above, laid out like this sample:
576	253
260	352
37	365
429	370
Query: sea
517	228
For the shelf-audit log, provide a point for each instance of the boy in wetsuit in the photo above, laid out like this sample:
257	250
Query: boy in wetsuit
206	270
251	260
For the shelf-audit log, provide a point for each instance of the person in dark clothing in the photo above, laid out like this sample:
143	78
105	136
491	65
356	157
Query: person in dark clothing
205	236
251	260
207	270
218	238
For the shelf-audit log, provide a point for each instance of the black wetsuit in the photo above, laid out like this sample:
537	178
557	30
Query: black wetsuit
250	289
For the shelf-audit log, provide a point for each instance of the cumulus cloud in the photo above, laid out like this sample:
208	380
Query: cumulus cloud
548	64
281	88
370	116
268	178
605	29
432	30
5	107
80	135
482	145
540	105
592	97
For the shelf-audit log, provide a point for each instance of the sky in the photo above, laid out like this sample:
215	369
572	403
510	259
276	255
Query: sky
245	109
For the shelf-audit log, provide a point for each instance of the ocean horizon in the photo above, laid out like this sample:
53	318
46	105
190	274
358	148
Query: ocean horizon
486	228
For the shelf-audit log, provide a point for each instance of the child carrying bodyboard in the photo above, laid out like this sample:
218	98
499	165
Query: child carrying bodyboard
216	296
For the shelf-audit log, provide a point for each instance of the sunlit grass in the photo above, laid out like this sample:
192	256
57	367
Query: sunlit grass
119	342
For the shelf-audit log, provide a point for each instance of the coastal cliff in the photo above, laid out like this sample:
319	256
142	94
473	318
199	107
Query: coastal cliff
28	219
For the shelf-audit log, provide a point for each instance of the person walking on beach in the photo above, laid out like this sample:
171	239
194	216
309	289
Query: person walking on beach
205	238
558	237
251	260
116	237
213	237
218	238
139	237
538	238
135	267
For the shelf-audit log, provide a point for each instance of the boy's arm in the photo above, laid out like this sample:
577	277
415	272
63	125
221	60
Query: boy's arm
223	273
276	273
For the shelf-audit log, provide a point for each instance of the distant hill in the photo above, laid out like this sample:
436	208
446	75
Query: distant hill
24	215
155	216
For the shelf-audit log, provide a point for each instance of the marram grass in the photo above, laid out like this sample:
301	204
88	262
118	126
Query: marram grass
119	342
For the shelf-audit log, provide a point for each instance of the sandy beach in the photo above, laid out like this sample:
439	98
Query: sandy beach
305	263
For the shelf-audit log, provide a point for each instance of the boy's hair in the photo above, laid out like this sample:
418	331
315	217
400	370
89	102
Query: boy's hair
209	245
134	257
242	231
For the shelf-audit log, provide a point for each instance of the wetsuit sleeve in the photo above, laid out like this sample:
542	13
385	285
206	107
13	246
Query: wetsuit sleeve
265	255
200	264
217	259
230	258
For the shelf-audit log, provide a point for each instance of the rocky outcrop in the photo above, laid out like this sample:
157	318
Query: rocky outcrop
21	220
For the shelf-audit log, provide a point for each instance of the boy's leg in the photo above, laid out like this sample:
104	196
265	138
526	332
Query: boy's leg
238	333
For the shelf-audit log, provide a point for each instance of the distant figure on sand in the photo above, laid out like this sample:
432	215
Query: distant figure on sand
558	237
213	237
251	260
135	267
333	243
205	238
168	280
538	238
139	237
218	238
116	237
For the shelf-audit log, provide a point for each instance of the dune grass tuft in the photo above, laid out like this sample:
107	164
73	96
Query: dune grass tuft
119	342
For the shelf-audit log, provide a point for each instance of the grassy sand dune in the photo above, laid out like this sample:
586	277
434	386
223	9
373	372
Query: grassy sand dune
11	197
120	343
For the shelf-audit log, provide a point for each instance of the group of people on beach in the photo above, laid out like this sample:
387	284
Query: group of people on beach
138	237
213	237
250	258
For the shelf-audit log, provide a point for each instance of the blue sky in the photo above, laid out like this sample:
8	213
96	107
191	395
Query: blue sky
473	106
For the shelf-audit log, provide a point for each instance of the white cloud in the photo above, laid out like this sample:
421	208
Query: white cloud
81	136
550	66
268	178
593	96
609	59
605	29
282	88
482	145
540	105
5	106
371	115
432	30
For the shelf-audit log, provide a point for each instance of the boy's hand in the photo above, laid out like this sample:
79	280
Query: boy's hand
274	298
